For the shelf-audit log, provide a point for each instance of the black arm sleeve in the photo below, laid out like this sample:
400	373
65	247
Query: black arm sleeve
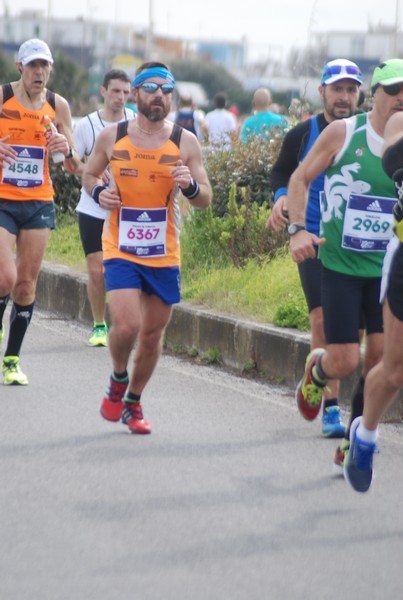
289	156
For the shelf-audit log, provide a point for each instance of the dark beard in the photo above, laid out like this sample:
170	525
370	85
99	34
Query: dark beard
154	113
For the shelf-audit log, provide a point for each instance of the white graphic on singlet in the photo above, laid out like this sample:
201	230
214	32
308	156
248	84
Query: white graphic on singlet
338	189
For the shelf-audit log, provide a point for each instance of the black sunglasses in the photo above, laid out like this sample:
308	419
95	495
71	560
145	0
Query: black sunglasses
150	87
393	90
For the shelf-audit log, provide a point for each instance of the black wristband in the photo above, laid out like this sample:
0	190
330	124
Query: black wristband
192	190
96	190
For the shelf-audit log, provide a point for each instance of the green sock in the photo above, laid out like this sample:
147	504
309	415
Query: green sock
132	398
120	376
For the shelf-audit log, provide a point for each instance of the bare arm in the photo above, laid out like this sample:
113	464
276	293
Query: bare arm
63	140
96	165
393	130
7	154
392	163
278	216
191	167
317	160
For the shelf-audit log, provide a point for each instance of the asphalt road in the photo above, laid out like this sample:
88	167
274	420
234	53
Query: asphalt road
233	495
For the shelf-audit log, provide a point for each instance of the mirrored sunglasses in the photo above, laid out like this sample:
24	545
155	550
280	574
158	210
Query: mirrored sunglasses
150	87
393	90
331	70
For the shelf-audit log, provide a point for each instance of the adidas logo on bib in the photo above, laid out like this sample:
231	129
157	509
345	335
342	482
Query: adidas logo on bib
375	206
143	217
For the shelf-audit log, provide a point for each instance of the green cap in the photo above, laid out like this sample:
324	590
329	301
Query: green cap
388	72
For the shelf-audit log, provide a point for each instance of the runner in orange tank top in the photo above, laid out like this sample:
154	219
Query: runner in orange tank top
26	194
150	160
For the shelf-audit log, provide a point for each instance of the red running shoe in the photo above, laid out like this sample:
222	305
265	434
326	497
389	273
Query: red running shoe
308	393
341	453
112	405
133	417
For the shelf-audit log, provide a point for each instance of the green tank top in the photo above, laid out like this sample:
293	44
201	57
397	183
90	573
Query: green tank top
356	204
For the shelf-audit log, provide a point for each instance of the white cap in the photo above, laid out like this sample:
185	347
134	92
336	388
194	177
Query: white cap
340	68
34	50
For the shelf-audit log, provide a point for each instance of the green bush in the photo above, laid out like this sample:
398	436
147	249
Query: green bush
247	165
293	312
67	190
238	236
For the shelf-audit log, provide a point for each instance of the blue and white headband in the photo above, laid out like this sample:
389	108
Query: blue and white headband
153	72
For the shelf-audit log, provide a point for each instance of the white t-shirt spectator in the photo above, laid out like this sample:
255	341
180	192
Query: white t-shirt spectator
220	123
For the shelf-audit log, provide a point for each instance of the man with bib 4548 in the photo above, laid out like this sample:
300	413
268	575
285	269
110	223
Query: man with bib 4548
29	112
356	226
150	158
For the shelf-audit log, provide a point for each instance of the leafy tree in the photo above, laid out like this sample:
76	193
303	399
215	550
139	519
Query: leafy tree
214	78
69	79
8	69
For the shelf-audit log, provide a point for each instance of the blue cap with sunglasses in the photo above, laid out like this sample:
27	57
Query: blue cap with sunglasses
338	69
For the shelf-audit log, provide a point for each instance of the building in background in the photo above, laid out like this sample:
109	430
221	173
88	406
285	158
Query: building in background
99	45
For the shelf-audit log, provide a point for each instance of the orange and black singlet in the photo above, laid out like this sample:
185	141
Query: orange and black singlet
146	228
28	177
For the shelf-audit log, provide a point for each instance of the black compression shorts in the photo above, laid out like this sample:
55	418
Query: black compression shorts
90	233
346	300
310	274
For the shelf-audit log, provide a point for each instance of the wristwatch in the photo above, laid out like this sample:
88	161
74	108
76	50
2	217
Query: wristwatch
293	228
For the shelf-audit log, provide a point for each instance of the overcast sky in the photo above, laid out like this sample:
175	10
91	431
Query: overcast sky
268	25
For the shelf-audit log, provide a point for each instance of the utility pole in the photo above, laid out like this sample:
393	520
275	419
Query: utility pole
396	31
150	28
49	23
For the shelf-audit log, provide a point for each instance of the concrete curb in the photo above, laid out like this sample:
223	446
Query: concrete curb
276	354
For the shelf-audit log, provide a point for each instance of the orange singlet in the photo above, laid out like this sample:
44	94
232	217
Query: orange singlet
28	177
146	228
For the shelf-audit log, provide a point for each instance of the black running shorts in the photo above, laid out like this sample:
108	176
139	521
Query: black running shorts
346	301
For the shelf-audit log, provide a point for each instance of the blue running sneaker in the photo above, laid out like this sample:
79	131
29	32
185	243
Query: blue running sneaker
332	424
358	462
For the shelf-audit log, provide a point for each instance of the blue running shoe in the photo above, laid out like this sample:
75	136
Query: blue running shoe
358	462
332	424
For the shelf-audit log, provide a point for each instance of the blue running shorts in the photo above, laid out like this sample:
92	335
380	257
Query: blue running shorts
164	282
26	214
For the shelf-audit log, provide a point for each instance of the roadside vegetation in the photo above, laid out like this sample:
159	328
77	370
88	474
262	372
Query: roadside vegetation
231	262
